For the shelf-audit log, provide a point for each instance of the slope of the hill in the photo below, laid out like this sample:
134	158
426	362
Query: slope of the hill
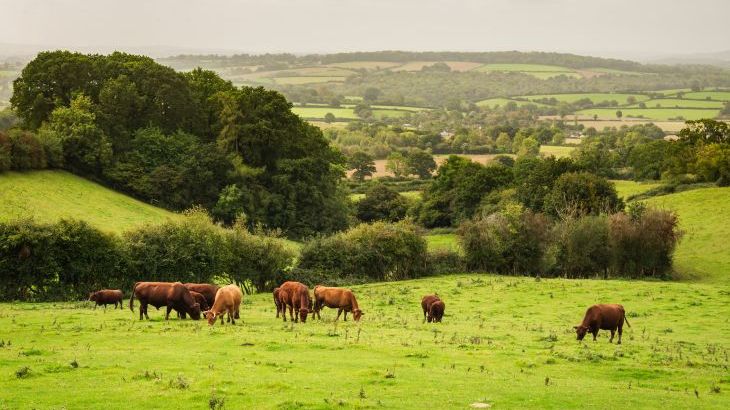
47	196
703	216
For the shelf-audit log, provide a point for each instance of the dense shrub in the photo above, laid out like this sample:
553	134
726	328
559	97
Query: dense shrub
58	261
5	152
513	241
26	151
582	193
582	247
377	251
381	204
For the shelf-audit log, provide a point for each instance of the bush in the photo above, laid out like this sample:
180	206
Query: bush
582	193
259	260
378	251
513	241
642	244
446	261
581	246
381	204
26	151
5	152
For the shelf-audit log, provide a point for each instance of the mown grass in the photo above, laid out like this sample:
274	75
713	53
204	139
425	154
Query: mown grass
555	150
48	196
501	102
714	95
505	341
703	215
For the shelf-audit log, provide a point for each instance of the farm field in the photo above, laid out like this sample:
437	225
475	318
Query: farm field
702	254
681	103
306	79
668	126
594	97
626	188
48	196
320	112
497	345
714	95
653	113
555	150
501	102
453	65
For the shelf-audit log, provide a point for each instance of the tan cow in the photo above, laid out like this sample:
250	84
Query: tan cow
295	295
227	300
337	298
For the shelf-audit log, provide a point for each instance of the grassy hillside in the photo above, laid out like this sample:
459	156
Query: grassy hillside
505	341
50	195
703	213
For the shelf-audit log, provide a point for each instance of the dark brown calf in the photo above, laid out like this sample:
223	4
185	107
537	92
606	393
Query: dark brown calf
205	289
172	295
433	308
602	317
107	297
200	299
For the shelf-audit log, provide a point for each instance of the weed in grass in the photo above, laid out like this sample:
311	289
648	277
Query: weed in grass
23	372
215	401
74	364
180	382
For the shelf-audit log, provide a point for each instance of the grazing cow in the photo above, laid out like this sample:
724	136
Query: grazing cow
295	295
433	308
204	289
277	303
107	297
227	300
172	295
200	299
337	298
605	317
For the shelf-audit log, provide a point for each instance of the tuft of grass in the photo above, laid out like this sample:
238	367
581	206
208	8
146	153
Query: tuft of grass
22	372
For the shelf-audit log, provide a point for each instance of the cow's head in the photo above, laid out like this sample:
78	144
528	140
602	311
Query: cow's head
581	331
437	311
210	317
195	311
357	314
303	312
92	296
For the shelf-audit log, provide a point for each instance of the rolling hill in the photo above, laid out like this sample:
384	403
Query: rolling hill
48	196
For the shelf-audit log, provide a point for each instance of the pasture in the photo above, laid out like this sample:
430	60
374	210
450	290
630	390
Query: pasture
626	188
620	98
501	102
662	114
47	196
681	103
507	342
556	151
713	95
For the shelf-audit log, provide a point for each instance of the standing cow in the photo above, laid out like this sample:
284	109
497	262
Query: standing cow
205	289
172	295
227	300
107	297
337	298
295	295
605	317
433	308
277	303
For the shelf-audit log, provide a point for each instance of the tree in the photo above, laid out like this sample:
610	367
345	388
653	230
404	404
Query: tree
329	118
619	114
529	148
363	111
381	204
420	163
705	131
631	99
504	142
363	165
371	94
396	164
582	193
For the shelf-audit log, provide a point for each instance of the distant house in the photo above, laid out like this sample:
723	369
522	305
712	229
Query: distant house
671	137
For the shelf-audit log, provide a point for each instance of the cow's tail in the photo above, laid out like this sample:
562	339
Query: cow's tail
626	320
131	298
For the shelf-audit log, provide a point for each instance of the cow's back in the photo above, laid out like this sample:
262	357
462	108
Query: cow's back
206	289
427	301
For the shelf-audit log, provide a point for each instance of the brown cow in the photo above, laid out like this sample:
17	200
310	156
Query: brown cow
433	308
295	295
227	299
200	299
606	317
277	303
158	294
107	297
204	289
337	298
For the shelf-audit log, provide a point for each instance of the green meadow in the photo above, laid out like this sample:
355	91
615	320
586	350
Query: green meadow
556	151
652	113
681	103
505	342
594	97
714	95
47	196
501	102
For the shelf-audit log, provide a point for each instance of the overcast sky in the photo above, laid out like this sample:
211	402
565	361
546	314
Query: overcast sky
617	27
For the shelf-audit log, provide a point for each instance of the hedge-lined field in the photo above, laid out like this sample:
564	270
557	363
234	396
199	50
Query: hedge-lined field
47	196
498	344
653	113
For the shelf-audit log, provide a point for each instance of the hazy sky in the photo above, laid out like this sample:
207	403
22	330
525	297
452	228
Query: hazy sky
615	27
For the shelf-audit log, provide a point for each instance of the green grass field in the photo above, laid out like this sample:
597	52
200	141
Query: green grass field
507	342
714	95
556	151
525	68
320	112
307	80
682	103
652	113
501	102
594	97
48	196
702	254
628	188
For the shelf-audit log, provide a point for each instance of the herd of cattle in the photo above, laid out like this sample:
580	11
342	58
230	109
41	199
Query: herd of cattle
215	302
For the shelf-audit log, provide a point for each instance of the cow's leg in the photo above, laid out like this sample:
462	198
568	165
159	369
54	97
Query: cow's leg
613	332
620	330
595	334
232	315
339	312
167	314
345	315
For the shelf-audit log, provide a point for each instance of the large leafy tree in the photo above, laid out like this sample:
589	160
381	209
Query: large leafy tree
363	165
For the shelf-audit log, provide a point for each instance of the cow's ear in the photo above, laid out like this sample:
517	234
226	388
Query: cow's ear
575	327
